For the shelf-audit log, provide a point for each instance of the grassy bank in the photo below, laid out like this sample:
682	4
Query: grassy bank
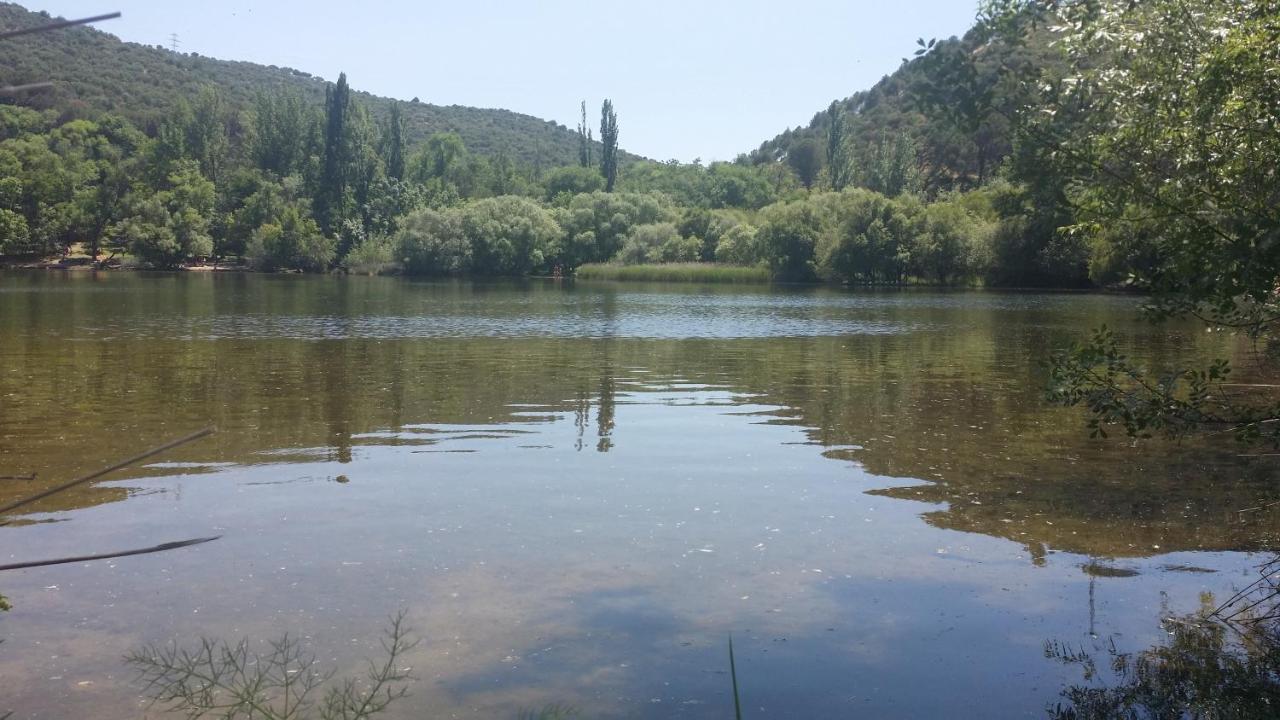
675	272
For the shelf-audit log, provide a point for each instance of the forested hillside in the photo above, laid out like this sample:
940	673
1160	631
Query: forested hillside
95	72
952	108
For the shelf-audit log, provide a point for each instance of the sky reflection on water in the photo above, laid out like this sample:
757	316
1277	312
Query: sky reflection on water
579	499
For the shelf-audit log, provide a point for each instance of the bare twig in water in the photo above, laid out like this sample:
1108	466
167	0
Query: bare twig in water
1260	507
32	476
1262	593
226	680
107	556
105	471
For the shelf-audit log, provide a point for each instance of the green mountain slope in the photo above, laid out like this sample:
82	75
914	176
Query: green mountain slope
94	71
954	105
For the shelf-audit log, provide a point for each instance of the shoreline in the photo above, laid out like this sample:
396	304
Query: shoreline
676	274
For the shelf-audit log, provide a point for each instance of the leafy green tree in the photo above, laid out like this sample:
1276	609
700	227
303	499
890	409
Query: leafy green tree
892	166
510	235
1184	102
569	181
15	236
657	243
54	178
285	132
955	85
206	135
738	186
504	176
706	228
871	238
738	246
953	245
788	238
97	206
390	201
264	203
16	121
594	226
431	242
291	241
609	139
171	226
443	167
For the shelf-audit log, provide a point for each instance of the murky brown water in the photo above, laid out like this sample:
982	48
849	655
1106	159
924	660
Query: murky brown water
578	493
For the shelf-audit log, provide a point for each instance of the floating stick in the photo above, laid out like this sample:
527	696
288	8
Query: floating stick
106	471
107	556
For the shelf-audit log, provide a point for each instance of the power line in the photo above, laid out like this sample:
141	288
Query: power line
174	42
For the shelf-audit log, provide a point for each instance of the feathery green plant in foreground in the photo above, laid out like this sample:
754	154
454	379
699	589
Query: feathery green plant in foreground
224	680
675	272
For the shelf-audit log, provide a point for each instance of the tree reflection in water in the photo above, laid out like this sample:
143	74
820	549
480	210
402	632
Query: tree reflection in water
1220	662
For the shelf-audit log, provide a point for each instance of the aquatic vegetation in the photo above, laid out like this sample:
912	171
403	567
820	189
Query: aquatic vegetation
550	712
1208	668
675	272
284	683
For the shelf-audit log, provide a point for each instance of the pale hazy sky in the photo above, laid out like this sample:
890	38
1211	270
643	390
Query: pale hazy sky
690	78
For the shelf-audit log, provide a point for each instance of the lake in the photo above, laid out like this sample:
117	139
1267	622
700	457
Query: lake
577	493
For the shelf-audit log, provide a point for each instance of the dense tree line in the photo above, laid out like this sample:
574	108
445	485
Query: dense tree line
289	186
286	185
939	174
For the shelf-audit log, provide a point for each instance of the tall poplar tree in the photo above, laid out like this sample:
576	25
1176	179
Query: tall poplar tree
331	196
839	162
584	139
609	138
393	143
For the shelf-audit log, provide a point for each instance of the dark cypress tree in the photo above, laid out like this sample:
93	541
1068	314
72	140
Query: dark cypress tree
393	143
805	158
331	196
609	138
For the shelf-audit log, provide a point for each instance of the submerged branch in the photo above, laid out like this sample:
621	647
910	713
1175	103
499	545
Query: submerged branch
106	471
165	547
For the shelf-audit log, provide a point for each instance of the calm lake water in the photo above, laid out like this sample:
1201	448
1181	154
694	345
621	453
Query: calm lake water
578	493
